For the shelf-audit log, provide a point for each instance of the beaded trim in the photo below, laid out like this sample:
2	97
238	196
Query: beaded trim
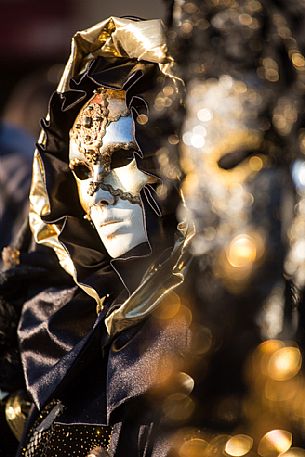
50	439
105	158
94	186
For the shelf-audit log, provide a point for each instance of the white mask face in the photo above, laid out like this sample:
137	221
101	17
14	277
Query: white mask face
109	182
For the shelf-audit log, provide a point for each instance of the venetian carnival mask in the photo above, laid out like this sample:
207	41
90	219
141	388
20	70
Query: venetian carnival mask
101	157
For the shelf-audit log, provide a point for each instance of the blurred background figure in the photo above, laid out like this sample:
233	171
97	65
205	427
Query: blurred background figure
240	148
19	129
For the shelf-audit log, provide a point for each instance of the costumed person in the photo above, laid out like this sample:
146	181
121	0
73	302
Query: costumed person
90	345
19	128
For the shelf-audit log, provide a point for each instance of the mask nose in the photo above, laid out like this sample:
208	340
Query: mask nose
99	195
103	197
99	173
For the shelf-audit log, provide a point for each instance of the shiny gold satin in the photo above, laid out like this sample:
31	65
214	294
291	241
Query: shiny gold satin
153	288
144	41
47	234
16	412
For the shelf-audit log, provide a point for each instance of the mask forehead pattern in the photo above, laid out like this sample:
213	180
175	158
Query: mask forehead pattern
103	125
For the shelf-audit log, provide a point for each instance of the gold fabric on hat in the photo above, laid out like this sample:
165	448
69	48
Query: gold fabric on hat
143	40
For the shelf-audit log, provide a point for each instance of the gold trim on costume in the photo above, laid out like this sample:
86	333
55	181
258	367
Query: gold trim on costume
16	412
10	257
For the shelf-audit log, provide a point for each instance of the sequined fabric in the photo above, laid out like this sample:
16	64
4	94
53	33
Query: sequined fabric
48	438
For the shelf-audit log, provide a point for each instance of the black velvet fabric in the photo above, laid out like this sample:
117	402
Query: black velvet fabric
38	270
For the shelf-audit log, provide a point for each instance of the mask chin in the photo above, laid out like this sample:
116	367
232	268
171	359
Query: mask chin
121	227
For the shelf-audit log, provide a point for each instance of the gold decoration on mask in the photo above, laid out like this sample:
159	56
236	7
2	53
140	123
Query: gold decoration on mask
117	193
89	129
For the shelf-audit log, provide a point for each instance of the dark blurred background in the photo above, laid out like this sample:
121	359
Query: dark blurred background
35	34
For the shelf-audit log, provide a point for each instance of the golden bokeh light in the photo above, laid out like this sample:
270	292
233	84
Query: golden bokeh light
186	382
190	7
194	447
274	443
294	452
169	307
277	391
256	163
241	251
263	353
142	119
168	91
245	19
285	363
235	264
173	139
185	315
202	339
269	347
239	445
298	60
178	407
217	445
205	115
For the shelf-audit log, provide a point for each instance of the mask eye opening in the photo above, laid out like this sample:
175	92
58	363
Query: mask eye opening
121	158
80	169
